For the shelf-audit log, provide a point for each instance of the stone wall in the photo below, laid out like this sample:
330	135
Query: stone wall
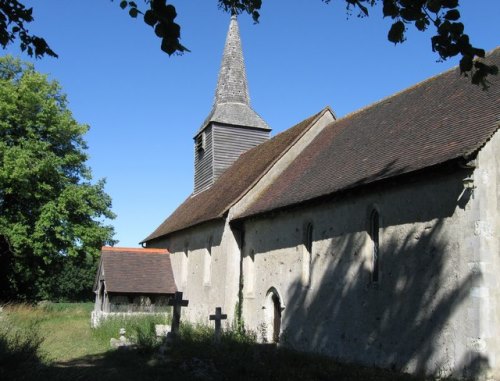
484	342
422	313
435	306
208	278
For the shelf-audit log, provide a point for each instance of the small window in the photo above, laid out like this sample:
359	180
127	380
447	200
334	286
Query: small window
307	255
309	238
207	268
200	142
250	273
185	264
374	235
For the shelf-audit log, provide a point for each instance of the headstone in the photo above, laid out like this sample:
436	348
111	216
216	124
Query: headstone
121	342
218	317
177	303
122	334
162	330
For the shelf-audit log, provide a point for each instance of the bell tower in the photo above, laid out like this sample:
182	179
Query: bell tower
232	127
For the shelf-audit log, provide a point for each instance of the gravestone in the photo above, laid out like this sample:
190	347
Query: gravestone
122	342
177	303
218	317
162	330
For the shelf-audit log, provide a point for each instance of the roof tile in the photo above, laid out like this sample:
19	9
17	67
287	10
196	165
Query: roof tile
440	119
145	271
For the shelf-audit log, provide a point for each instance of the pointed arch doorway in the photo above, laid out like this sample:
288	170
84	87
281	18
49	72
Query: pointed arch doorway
273	308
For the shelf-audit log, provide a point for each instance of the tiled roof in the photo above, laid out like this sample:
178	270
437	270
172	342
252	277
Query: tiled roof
135	270
443	118
231	185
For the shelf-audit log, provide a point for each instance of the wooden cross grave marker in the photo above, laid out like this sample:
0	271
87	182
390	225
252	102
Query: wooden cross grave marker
177	303
218	317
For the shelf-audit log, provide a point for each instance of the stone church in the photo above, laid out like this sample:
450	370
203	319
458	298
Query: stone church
373	238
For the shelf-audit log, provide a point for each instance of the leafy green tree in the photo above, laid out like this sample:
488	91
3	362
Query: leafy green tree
443	16
74	281
49	208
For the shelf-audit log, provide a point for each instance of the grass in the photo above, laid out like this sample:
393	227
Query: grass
70	349
140	329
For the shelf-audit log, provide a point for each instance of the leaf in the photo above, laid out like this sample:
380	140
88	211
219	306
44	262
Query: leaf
123	4
170	13
422	24
133	12
434	5
160	30
411	14
449	3
466	64
479	52
158	5
457	28
396	33
390	9
255	16
168	46
444	28
173	31
452	15
150	18
464	43
477	77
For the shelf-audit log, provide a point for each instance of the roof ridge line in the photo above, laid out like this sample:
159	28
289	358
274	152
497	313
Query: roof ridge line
316	117
135	249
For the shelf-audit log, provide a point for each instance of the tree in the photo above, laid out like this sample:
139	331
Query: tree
49	208
449	41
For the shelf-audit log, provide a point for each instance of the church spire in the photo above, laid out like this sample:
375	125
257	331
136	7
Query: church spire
232	85
232	100
232	127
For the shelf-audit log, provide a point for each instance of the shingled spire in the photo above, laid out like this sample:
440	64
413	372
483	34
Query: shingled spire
232	84
232	127
232	101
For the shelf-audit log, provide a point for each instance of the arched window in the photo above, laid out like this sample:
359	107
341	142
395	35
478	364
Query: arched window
374	235
307	254
273	308
207	268
184	264
249	279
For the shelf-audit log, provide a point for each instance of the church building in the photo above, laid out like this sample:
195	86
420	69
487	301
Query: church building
372	238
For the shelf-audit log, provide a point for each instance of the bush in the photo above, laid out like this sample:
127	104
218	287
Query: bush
239	335
196	333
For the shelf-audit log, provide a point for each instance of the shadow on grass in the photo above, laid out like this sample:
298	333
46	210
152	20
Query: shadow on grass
198	359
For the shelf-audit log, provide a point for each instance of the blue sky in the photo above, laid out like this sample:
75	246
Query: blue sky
144	107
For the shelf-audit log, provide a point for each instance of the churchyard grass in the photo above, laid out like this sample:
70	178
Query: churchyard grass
140	329
64	327
72	350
